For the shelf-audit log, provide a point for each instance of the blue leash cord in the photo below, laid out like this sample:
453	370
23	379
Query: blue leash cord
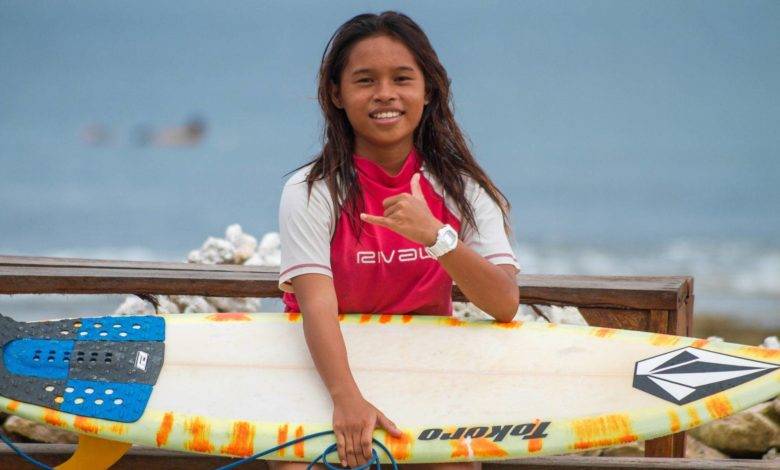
323	457
22	454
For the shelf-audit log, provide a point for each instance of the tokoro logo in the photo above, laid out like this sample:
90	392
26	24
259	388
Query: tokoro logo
533	430
689	374
140	360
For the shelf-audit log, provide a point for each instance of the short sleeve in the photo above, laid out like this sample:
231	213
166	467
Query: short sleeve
305	230
491	242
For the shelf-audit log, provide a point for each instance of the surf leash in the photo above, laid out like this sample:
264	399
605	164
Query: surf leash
323	457
22	453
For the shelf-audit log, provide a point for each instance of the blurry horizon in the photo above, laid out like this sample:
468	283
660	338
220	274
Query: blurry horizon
630	137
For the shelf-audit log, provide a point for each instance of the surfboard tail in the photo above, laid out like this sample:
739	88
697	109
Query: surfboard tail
101	367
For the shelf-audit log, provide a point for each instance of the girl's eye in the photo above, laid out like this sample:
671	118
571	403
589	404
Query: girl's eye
364	80
404	78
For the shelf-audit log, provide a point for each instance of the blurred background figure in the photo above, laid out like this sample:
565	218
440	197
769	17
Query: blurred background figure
187	135
96	135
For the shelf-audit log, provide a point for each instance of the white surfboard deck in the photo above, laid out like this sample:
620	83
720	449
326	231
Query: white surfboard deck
234	384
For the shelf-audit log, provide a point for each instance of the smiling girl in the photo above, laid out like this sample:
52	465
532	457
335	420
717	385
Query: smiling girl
391	212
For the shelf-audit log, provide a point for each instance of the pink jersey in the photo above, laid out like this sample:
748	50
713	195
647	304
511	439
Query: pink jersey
383	272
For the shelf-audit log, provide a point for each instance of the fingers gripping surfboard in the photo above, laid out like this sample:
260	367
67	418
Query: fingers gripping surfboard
234	384
95	368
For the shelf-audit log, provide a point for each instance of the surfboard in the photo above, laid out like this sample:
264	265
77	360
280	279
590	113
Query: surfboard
234	384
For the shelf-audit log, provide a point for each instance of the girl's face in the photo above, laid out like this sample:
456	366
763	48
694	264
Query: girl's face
382	90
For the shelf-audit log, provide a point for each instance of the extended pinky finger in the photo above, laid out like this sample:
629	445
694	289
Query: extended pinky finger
372	219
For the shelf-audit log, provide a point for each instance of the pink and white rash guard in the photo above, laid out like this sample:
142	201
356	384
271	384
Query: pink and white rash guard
384	272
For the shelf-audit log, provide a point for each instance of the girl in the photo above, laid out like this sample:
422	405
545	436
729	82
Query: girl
366	227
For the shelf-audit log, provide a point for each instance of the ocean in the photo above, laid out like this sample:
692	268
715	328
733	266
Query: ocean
630	137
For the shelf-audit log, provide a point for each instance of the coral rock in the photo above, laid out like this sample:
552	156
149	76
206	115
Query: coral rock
238	304
244	245
749	433
38	432
214	251
269	243
771	342
193	304
636	449
695	449
134	306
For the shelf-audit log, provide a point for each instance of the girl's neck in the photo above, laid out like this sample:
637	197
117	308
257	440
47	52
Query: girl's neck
390	158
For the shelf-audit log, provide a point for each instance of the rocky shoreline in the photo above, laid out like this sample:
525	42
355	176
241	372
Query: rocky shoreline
753	433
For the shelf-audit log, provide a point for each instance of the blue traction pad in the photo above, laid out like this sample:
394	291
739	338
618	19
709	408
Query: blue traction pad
45	358
121	329
107	370
106	400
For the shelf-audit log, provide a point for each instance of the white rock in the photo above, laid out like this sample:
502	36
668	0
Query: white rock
193	304
269	243
714	339
273	259
214	251
237	304
771	342
467	311
134	306
563	315
255	260
166	305
244	245
527	314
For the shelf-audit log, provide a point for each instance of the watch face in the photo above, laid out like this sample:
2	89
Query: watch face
450	237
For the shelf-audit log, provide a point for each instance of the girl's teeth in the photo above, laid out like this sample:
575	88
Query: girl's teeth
386	115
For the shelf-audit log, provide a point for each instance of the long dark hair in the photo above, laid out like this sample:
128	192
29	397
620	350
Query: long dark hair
437	138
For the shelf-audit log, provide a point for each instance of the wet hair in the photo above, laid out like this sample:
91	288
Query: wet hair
437	138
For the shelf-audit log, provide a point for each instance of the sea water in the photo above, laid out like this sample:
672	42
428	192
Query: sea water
630	138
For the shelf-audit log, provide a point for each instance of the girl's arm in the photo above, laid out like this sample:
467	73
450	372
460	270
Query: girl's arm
490	287
354	418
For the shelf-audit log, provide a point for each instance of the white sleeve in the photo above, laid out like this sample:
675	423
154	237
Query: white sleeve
305	230
491	242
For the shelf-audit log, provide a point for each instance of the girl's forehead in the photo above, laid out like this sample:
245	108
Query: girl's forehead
379	53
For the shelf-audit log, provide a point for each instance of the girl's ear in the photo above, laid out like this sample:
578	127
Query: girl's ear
335	97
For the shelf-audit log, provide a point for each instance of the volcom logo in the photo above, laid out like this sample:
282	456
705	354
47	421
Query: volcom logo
689	374
140	360
404	255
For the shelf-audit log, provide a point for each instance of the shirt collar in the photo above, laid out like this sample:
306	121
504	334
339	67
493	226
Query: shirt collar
373	171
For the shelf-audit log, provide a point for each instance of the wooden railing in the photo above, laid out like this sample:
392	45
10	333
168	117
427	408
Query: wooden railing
655	304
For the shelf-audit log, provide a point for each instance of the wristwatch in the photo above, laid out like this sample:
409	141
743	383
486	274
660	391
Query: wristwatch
446	241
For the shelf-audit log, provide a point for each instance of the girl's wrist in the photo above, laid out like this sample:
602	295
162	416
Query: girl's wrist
343	394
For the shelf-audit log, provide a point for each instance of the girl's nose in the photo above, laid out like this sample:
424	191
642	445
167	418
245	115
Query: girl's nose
384	91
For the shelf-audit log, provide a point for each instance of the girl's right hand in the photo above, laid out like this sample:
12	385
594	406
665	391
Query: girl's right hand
354	421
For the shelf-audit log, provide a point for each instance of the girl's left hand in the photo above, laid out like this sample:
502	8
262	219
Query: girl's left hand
408	215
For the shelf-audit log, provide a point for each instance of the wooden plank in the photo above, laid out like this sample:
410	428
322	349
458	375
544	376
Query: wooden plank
137	458
31	275
153	459
616	318
628	463
658	321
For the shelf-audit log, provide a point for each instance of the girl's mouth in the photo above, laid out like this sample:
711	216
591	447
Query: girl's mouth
386	117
